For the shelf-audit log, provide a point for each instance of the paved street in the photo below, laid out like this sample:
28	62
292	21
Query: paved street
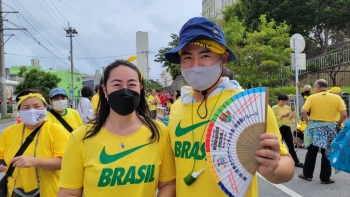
296	187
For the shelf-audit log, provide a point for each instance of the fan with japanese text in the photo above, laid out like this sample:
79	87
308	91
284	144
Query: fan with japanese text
233	136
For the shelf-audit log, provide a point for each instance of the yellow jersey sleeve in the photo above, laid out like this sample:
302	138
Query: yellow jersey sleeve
167	168
272	128
307	104
78	118
72	172
3	142
60	140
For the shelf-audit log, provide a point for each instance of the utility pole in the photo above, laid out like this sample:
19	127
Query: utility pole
2	60
70	33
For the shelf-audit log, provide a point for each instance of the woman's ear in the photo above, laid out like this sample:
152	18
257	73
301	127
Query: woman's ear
104	91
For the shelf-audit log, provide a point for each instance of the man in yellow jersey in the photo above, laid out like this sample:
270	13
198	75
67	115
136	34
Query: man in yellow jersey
202	54
321	129
153	101
60	113
96	98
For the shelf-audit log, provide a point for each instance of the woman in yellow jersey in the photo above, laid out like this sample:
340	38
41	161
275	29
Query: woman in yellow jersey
123	152
37	170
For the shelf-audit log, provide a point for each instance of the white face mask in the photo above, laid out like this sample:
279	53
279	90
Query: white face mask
201	78
60	105
32	116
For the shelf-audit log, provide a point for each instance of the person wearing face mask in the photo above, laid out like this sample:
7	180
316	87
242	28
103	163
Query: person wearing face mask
202	52
60	113
124	152
41	160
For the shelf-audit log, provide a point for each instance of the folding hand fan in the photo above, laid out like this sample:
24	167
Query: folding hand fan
232	138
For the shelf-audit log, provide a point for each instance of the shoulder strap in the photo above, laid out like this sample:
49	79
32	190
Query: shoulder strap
24	146
62	121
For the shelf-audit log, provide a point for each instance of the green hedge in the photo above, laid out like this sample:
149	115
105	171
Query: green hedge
274	92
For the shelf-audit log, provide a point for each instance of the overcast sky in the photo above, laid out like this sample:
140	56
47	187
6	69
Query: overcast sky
105	28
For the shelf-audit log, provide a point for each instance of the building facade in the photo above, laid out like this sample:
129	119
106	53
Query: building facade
92	80
142	53
166	79
212	8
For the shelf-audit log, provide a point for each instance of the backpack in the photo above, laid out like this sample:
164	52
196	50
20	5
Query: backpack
339	156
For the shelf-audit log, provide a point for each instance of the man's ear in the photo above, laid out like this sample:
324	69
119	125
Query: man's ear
224	59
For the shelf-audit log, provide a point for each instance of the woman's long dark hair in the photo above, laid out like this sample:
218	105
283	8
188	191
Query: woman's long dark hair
103	109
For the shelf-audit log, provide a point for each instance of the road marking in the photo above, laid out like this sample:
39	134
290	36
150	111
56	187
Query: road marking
283	188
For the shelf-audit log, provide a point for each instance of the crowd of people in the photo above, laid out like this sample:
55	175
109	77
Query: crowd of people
112	145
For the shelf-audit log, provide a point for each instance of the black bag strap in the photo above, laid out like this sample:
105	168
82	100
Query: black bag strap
62	121
24	146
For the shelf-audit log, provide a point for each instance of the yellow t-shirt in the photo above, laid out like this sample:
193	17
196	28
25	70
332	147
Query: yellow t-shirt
279	111
71	116
151	98
187	147
169	105
104	169
324	106
94	101
51	142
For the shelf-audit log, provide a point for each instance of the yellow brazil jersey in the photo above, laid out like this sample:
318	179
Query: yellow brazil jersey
152	107
94	102
49	142
71	116
103	168
189	145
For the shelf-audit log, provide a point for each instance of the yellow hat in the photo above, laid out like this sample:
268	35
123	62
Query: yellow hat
335	90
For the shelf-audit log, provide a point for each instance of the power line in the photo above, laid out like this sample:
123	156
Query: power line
49	14
55	13
28	17
59	11
113	33
86	51
8	6
125	55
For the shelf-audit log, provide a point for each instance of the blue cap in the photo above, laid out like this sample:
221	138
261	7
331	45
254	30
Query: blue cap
57	91
198	28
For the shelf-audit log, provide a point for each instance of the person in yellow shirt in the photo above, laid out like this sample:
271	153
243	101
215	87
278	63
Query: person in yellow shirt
201	54
42	158
321	129
123	152
153	101
283	116
95	99
60	113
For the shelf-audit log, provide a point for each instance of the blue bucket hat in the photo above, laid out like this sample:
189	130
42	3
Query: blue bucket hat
195	29
57	91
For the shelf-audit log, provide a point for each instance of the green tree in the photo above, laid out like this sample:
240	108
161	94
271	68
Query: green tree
37	79
153	85
173	69
262	54
300	14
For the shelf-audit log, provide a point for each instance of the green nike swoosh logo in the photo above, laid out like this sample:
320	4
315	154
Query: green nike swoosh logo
106	159
183	131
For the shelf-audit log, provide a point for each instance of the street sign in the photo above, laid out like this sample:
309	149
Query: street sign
297	43
70	91
299	59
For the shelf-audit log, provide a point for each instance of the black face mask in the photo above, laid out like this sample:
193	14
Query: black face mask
307	92
124	101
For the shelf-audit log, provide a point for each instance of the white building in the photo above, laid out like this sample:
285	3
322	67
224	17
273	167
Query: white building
166	79
212	8
92	80
142	53
35	62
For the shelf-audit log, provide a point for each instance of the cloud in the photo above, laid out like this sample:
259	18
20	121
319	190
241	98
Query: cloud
105	28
